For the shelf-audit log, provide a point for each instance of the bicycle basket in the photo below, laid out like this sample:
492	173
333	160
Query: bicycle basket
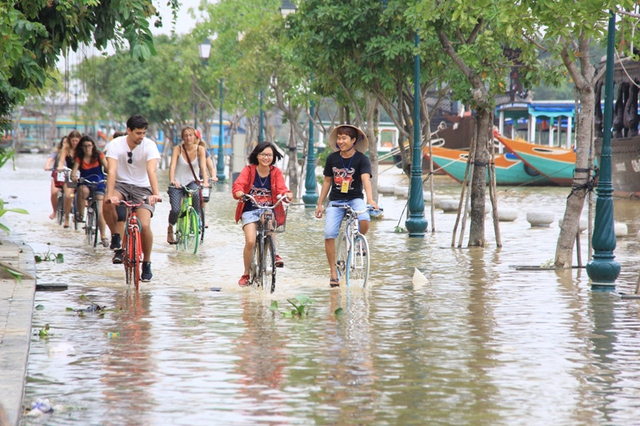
281	218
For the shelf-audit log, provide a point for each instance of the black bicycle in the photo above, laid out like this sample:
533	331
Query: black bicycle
92	222
262	271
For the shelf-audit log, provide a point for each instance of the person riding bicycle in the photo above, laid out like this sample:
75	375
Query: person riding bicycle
347	172
65	159
131	163
91	162
265	182
188	162
56	185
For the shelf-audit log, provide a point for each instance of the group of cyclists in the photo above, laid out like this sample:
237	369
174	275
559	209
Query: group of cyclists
129	167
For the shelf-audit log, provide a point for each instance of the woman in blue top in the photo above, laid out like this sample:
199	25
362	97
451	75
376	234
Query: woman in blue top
90	161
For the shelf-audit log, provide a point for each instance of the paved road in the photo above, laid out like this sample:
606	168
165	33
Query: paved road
16	311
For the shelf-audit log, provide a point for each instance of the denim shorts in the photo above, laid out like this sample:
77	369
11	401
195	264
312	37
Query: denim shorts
334	215
251	216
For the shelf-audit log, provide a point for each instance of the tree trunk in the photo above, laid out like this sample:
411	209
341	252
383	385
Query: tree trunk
479	184
575	201
374	120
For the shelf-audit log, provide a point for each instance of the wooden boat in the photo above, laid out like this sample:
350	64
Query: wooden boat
510	170
555	163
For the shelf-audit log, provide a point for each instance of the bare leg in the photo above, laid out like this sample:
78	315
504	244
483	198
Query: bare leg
101	222
81	200
364	226
54	199
249	245
330	249
111	216
68	199
147	235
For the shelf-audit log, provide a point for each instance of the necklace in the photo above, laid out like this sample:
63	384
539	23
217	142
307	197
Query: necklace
263	182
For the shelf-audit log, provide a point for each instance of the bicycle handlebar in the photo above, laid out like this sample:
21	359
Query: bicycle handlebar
91	182
132	205
247	197
356	212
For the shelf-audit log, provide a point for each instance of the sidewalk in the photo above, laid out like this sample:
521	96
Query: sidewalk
16	309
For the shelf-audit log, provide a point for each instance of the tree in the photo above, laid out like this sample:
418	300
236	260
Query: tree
35	33
570	30
475	34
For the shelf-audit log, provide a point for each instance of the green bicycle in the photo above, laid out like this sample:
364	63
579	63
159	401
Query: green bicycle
189	229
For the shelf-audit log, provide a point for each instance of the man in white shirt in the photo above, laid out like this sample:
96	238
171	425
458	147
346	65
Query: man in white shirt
132	161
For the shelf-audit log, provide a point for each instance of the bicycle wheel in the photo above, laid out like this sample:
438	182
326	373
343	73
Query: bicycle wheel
127	261
134	255
192	235
358	270
74	212
61	207
254	270
342	257
268	275
180	230
90	229
202	222
95	222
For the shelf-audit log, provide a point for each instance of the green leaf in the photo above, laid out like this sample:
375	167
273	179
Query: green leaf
338	312
38	258
70	309
60	258
39	307
274	305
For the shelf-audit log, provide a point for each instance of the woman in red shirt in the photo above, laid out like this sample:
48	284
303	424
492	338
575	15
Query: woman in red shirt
265	182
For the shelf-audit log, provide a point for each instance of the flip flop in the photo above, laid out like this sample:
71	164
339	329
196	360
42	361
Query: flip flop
334	282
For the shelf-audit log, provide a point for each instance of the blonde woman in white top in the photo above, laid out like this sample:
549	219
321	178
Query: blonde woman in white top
188	163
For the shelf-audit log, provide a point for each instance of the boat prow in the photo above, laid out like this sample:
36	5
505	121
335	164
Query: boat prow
555	163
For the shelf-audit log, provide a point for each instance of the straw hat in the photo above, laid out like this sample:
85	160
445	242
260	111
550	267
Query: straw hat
362	143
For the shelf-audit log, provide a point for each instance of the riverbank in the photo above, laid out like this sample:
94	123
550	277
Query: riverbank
16	312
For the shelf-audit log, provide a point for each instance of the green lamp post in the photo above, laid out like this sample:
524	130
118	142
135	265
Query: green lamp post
603	269
416	223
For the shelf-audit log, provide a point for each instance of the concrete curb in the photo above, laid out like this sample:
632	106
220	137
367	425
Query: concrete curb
16	313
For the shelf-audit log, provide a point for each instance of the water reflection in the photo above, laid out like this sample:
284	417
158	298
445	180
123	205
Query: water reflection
129	364
260	361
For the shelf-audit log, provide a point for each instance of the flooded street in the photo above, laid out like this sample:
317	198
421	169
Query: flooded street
480	343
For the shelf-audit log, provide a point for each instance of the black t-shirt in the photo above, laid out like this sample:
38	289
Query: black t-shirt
346	174
261	191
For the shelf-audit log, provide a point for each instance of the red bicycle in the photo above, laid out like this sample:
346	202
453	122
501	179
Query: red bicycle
132	244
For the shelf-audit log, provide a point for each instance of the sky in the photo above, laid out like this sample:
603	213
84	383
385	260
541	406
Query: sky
185	23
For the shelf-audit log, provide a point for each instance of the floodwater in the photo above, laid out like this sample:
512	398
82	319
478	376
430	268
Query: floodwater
478	343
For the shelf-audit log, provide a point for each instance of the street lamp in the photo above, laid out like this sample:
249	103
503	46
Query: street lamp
204	49
603	269
416	224
310	198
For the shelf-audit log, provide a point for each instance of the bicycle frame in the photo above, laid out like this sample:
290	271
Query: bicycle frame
132	244
189	218
352	251
263	267
92	211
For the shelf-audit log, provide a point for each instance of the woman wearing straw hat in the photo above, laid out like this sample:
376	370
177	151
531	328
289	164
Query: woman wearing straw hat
347	173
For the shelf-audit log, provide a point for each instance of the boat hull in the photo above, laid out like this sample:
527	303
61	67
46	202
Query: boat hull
510	170
555	163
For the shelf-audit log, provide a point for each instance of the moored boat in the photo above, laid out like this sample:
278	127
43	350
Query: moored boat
555	163
510	170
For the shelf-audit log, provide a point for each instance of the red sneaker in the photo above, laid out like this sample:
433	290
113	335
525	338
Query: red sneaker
243	281
279	261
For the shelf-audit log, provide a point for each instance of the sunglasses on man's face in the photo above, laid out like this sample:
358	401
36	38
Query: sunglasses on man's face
130	160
